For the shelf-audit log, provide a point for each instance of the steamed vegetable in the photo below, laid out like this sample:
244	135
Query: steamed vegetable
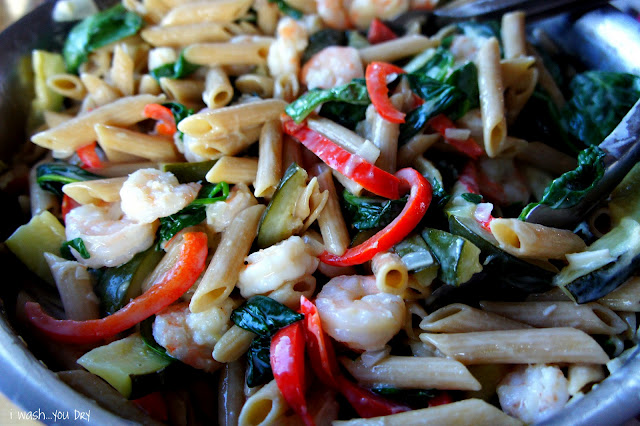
97	31
175	70
78	245
52	176
353	93
376	76
369	212
188	172
459	258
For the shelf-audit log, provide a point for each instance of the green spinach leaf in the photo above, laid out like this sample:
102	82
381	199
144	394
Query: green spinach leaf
97	31
321	39
258	357
354	93
371	212
437	66
180	112
465	78
175	70
264	316
472	198
76	243
146	333
52	176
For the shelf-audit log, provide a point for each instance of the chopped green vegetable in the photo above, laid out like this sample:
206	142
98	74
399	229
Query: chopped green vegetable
146	333
354	93
458	257
175	70
465	78
346	114
415	253
52	176
472	198
625	198
438	65
180	112
188	172
97	31
211	194
321	39
259	364
287	9
567	190
481	30
600	100
371	212
78	245
264	316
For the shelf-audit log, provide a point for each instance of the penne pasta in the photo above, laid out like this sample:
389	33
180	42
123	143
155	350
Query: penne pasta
513	35
264	406
331	222
95	191
68	85
232	53
230	393
625	298
390	272
233	170
217	89
393	50
185	91
187	34
139	145
253	83
344	137
206	11
233	344
417	145
121	72
460	318
269	170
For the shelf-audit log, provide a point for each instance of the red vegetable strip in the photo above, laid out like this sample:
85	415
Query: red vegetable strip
366	403
469	178
407	220
287	363
441	399
172	285
376	78
468	147
154	405
89	156
351	165
379	32
166	124
68	204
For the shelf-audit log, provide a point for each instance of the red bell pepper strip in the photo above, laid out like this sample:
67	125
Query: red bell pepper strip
68	204
89	157
379	32
154	405
393	233
441	399
376	78
351	165
469	178
469	147
172	285
320	350
166	124
287	364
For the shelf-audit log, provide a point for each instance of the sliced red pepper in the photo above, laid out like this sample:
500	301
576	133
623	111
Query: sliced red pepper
441	399
68	204
379	32
320	350
287	363
166	124
469	178
393	233
154	405
351	165
89	157
469	147
172	285
376	77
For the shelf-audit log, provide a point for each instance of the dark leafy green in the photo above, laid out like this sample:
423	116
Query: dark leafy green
78	245
354	93
472	198
287	9
210	193
343	113
465	78
146	332
52	176
175	70
567	190
264	316
438	66
180	112
480	30
414	253
321	39
449	251
371	212
96	31
600	99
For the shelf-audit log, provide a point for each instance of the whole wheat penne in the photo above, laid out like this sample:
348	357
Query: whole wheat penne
100	91
68	85
121	72
185	91
234	142
344	137
217	88
255	83
206	11
591	318
390	272
221	275
233	344
92	191
491	89
413	372
393	50
416	146
546	158
519	76
530	346
230	393
460	318
231	53
186	34
79	131
233	170
269	159
513	34
331	222
290	292
267	405
141	145
625	298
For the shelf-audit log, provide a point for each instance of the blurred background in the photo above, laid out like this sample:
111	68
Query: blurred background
10	10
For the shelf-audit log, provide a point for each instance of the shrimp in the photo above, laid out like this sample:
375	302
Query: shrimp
149	194
191	337
333	14
362	12
533	392
220	214
110	238
355	312
285	53
332	66
270	268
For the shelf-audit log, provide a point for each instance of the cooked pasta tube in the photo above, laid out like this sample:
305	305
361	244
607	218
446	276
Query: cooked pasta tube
264	406
529	346
255	83
186	34
530	240
392	50
216	123
413	372
269	159
231	53
384	135
230	144
390	272
546	80
233	344
39	199
95	191
491	89
267	16
286	86
79	131
185	91
233	170
53	119
466	412
290	292
580	375
546	158
75	287
221	275
415	147
121	72
333	228
217	88
230	393
591	318
625	298
152	147
519	77
206	11
149	85
100	91
513	34
68	85
344	137
460	318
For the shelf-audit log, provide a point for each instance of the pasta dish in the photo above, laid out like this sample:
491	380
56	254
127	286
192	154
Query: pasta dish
313	214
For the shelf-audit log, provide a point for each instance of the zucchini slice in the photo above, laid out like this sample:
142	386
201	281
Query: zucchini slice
278	221
459	258
188	172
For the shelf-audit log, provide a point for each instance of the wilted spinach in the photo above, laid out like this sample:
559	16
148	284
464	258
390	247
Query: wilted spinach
52	176
371	212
